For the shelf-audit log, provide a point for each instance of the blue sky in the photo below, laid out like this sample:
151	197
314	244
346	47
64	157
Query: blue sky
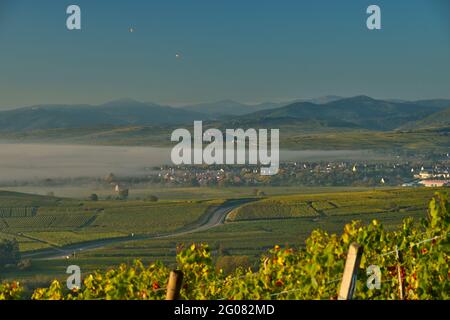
250	51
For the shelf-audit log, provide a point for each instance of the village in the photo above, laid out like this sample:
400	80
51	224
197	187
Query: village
404	174
295	174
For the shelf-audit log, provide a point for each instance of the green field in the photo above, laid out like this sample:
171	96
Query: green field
177	193
376	202
293	136
249	230
59	222
419	141
256	233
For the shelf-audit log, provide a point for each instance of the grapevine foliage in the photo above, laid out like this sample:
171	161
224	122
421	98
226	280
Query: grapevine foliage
312	272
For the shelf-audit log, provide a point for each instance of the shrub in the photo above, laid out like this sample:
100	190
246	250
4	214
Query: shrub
93	197
123	194
152	198
228	264
9	252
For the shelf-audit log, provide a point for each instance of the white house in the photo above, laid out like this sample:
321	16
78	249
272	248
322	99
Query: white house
435	183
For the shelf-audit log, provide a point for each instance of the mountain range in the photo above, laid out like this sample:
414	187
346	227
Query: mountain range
123	112
233	108
360	112
355	112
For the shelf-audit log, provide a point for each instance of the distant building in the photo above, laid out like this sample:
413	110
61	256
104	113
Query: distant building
118	188
414	183
428	174
424	174
435	183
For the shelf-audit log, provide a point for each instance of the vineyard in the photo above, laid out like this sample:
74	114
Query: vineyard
18	212
312	272
334	204
55	222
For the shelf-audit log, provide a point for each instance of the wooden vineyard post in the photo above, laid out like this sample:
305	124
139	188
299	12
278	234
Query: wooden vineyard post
350	272
174	285
399	257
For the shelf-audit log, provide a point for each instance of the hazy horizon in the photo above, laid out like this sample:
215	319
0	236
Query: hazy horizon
249	103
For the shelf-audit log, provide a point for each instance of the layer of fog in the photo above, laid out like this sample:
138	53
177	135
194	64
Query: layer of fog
19	162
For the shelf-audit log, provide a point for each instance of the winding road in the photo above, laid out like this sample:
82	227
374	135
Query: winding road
213	218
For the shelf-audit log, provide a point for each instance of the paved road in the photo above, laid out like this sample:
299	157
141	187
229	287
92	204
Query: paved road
210	220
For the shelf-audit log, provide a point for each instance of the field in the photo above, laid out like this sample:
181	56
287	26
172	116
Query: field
377	202
250	230
176	193
250	237
58	222
421	141
293	137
